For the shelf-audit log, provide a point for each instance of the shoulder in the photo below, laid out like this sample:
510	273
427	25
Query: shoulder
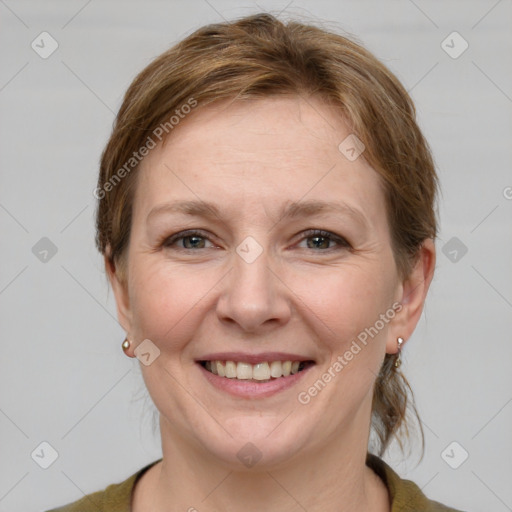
406	496
114	498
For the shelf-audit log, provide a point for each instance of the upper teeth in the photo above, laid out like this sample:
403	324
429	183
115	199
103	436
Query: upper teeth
259	371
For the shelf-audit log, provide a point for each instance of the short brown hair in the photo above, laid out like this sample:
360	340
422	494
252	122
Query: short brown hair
256	57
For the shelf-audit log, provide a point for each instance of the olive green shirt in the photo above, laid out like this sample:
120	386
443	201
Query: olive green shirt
405	495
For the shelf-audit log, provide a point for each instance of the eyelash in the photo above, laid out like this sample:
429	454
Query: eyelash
310	233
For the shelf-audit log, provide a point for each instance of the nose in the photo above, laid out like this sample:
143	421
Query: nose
254	296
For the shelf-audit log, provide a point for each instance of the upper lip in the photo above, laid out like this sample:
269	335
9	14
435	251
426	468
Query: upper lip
253	358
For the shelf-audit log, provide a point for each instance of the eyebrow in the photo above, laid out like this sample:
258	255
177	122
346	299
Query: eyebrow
291	210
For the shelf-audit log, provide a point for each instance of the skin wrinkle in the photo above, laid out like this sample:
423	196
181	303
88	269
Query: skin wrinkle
294	300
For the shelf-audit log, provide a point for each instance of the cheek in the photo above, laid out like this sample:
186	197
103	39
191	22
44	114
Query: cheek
347	307
167	300
170	300
347	300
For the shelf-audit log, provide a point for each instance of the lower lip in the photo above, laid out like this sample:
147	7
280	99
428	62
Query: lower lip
251	389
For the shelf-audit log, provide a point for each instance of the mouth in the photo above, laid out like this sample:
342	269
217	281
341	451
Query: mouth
254	376
260	372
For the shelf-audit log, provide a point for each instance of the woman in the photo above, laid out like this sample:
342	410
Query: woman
266	214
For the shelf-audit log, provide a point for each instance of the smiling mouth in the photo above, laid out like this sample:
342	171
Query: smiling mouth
259	372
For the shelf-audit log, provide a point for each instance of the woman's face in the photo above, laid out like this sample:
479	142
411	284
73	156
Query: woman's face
255	283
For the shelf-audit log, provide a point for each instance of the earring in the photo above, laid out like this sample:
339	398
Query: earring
126	346
398	359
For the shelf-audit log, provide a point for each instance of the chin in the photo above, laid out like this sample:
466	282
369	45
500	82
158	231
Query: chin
262	443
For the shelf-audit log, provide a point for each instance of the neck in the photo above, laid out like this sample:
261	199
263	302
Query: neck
334	478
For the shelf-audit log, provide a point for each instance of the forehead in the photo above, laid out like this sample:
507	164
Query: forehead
265	151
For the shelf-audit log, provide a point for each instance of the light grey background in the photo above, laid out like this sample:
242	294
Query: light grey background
64	378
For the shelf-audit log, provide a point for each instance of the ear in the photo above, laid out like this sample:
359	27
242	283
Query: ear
413	292
119	286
